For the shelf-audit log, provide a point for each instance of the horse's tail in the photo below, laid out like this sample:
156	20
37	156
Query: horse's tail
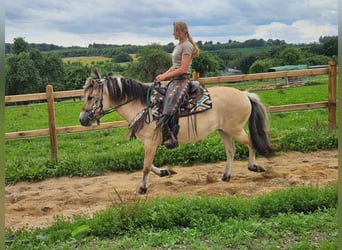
258	127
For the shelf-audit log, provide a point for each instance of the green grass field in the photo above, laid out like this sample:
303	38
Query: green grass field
297	218
29	159
86	59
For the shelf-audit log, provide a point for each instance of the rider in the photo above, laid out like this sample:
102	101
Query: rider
179	73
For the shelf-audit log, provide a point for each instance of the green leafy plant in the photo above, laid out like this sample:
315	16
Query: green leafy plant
290	219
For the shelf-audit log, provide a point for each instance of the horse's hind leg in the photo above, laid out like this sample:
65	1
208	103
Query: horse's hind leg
163	172
230	151
243	138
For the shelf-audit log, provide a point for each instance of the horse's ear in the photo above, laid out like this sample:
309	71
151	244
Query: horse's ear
96	73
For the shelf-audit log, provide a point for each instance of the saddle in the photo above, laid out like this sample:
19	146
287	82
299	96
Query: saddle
195	98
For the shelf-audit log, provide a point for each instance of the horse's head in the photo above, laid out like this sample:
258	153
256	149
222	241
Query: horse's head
96	101
103	95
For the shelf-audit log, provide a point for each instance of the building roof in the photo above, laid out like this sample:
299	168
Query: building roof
288	67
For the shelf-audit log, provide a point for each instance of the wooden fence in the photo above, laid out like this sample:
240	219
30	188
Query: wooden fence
50	97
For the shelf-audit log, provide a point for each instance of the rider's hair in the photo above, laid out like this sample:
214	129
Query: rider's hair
182	26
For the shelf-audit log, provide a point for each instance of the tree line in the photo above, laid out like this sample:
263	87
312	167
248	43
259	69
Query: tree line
108	49
29	67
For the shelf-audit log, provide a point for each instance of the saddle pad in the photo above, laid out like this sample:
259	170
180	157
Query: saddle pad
203	104
192	107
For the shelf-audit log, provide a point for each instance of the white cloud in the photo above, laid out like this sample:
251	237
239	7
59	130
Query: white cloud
301	31
81	22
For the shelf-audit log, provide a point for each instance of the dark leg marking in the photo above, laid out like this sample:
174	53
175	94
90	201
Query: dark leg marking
225	178
256	168
166	172
142	190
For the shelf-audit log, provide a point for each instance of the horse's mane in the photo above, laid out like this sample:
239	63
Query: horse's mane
119	88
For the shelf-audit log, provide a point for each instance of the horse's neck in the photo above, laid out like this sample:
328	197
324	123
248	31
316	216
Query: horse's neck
130	110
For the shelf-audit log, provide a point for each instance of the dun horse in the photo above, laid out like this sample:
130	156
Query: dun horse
231	110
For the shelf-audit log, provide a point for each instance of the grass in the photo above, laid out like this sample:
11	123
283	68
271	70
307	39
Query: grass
29	117
296	218
96	152
305	94
86	59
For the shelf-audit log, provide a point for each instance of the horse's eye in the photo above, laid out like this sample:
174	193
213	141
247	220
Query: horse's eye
90	98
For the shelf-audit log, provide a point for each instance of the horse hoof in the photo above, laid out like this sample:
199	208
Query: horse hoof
256	168
166	172
142	190
225	178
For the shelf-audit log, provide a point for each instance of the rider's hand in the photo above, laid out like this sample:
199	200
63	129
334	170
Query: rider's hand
160	77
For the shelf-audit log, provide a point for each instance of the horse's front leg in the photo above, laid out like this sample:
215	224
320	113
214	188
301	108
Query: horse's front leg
230	151
150	151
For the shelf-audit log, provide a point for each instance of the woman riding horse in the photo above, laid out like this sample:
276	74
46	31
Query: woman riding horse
179	72
231	110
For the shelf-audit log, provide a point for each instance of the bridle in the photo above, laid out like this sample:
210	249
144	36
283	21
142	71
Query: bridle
98	105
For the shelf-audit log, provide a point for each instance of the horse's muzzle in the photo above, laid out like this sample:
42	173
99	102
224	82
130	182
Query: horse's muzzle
84	119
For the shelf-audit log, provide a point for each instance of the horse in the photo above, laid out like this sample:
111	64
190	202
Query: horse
230	112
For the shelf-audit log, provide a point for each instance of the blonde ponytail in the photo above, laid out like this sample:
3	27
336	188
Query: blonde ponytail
196	49
182	26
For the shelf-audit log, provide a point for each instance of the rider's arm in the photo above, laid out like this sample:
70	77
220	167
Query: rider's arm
183	69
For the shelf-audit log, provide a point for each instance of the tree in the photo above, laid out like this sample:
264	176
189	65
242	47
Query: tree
29	71
37	57
122	57
252	43
19	45
324	39
290	56
317	60
246	62
152	61
205	62
260	66
22	77
50	66
75	75
53	69
330	47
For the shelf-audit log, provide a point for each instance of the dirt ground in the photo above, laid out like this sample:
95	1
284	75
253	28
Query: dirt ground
35	204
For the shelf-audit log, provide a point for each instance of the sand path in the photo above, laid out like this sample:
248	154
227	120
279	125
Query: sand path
35	204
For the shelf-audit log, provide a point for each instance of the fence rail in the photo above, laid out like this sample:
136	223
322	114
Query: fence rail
50	97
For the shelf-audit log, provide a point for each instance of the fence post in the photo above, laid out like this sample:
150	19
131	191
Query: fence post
195	76
52	122
332	79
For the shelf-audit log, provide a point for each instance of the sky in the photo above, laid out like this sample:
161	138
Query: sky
143	22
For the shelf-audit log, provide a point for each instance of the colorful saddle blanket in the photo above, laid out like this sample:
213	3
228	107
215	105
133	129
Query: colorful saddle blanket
197	99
